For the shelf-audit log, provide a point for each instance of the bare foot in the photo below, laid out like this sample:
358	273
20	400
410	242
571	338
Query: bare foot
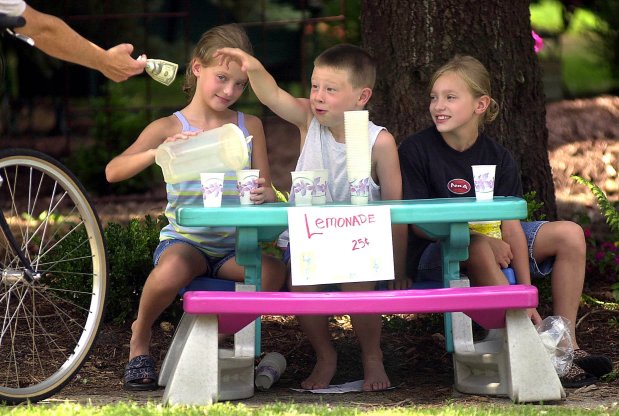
375	377
323	372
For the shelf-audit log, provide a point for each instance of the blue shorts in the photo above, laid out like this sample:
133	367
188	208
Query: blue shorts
430	262
214	263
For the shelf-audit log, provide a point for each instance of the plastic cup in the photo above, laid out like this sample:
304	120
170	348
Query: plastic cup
302	187
269	370
212	188
246	181
319	191
359	188
483	177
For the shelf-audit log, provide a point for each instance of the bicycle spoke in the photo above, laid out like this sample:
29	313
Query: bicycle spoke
49	323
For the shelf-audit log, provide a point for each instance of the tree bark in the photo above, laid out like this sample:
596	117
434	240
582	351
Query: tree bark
410	39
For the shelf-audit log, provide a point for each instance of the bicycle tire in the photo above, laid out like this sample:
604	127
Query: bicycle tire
48	326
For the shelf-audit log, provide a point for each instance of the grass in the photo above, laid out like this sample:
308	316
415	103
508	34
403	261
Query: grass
129	409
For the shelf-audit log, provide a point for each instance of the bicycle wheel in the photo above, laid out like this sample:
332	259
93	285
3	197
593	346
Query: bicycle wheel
49	323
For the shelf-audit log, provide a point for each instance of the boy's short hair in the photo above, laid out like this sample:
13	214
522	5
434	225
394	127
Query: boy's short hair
359	64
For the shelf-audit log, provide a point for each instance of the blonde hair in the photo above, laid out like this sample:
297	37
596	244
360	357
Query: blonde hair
224	36
359	64
476	77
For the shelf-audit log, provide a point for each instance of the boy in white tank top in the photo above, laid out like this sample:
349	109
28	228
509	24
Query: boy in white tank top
342	80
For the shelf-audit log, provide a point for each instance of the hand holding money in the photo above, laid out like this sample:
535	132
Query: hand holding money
161	71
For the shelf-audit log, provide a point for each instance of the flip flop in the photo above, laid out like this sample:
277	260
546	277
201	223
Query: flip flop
597	365
138	369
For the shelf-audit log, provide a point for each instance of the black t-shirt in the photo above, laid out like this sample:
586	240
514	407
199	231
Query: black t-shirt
432	169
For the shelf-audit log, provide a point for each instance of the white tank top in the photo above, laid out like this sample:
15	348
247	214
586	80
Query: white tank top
322	151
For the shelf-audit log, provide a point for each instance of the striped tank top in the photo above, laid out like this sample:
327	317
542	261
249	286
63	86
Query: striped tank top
214	241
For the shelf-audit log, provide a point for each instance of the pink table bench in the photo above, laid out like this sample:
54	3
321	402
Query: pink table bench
515	364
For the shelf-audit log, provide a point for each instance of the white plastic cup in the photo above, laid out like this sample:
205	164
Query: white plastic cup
319	191
246	182
221	149
359	188
483	177
269	370
302	187
212	188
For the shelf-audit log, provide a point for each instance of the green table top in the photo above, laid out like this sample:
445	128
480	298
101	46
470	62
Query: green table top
420	211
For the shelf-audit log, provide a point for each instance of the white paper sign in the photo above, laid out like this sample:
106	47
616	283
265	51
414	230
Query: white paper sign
340	244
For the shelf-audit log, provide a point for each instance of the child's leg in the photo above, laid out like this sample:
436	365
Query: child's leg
178	263
481	268
177	266
316	329
565	241
368	330
273	273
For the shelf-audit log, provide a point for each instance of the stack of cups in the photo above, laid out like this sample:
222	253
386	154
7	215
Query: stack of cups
358	162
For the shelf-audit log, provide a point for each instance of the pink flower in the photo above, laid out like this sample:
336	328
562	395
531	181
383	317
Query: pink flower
539	42
599	255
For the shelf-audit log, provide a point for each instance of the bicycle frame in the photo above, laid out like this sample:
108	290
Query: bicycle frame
29	274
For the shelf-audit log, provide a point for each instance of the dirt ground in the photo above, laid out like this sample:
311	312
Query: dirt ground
584	139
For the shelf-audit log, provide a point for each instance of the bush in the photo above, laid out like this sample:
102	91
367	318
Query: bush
130	255
603	256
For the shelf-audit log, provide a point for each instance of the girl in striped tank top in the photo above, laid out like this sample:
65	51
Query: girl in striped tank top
187	252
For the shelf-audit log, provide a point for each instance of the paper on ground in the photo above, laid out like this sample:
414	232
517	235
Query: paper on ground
350	387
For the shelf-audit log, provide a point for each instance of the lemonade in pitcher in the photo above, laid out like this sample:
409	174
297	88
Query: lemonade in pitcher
223	149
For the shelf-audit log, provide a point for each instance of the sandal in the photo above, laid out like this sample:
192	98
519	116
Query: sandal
597	365
140	374
577	377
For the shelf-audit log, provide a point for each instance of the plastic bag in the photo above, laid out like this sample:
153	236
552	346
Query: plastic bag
555	334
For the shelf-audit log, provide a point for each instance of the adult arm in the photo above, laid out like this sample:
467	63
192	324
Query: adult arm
54	37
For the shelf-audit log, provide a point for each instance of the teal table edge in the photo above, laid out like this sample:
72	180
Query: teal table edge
435	211
445	219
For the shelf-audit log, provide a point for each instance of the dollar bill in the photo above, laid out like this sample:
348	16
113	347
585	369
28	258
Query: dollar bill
161	71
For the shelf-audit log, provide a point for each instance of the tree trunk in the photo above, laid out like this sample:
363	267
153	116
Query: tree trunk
410	39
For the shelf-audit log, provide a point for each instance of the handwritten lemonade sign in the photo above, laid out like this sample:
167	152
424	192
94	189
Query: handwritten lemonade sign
340	244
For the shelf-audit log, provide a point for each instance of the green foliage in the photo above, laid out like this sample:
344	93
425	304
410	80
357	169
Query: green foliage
130	255
534	207
71	274
603	256
113	132
607	209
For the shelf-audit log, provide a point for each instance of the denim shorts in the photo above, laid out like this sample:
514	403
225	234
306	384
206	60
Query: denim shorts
214	263
430	262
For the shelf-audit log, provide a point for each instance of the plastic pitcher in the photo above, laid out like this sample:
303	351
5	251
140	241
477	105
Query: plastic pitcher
218	150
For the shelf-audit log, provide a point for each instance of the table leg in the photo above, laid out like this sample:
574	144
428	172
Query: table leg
454	248
249	255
